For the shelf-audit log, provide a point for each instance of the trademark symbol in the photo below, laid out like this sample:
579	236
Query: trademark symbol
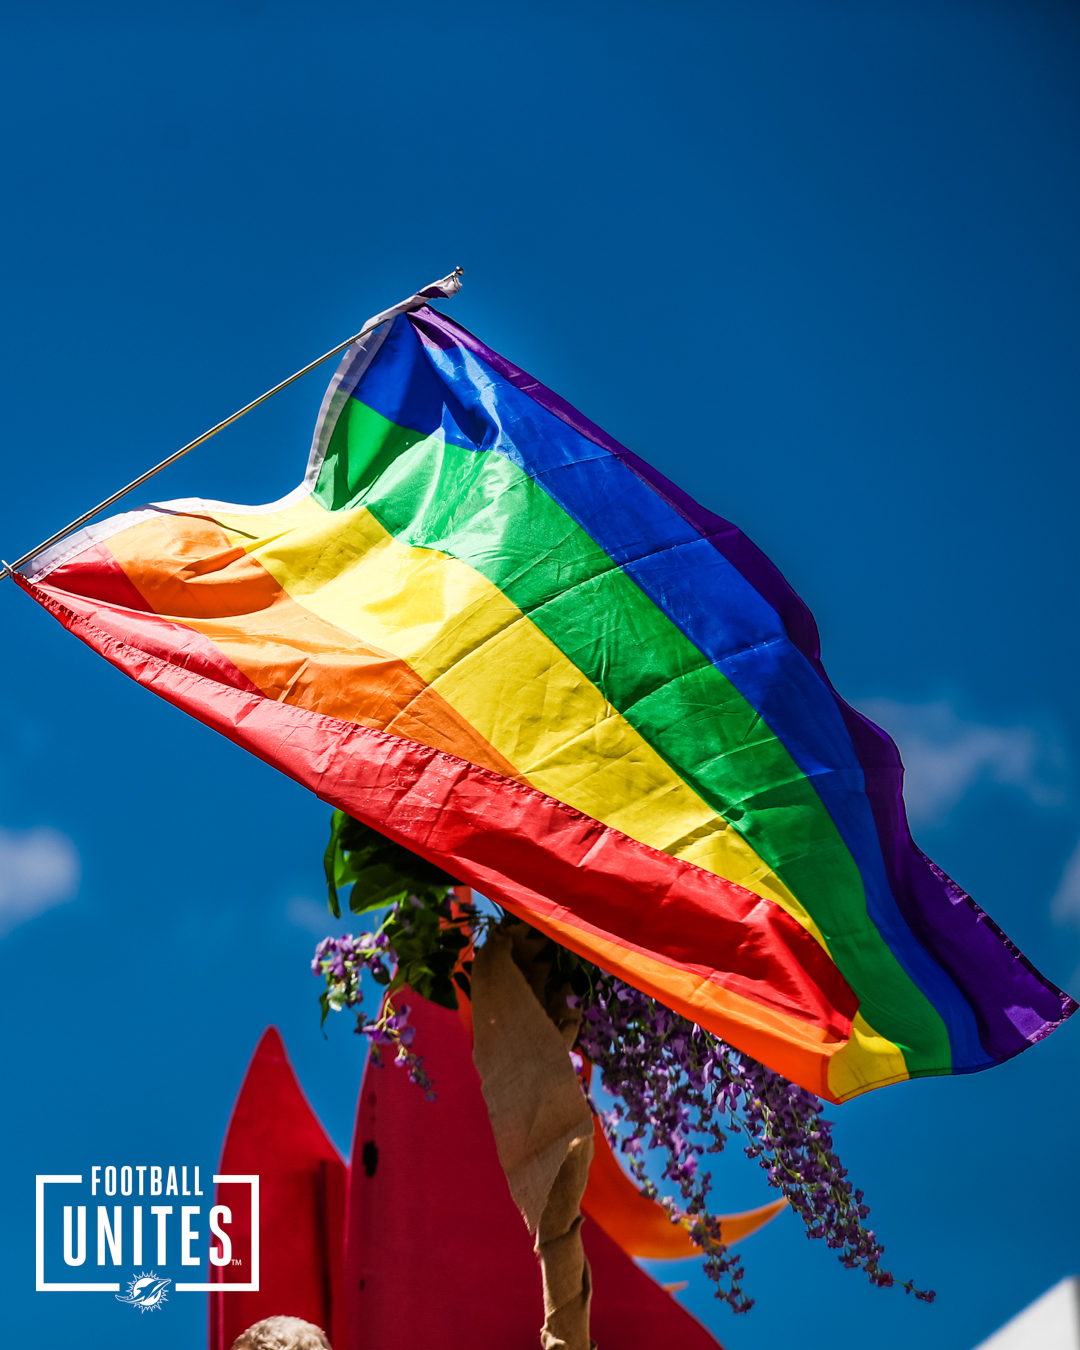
236	1261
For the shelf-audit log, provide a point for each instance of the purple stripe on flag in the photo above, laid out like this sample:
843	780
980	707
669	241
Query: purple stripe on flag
1013	1004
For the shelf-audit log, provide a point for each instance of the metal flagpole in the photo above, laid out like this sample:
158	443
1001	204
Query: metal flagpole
443	289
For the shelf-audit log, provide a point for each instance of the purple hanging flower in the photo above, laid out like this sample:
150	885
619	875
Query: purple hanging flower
679	1090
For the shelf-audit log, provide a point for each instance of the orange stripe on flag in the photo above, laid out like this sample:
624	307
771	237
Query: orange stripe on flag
187	571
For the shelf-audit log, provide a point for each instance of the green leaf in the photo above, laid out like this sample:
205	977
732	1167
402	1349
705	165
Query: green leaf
443	993
376	886
330	861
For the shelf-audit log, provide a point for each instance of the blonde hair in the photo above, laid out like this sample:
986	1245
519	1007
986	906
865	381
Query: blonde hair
281	1333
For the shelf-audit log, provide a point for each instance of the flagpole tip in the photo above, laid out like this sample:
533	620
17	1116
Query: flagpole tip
444	289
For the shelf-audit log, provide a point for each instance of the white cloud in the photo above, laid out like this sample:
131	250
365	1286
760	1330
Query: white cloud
945	756
311	915
38	869
1065	906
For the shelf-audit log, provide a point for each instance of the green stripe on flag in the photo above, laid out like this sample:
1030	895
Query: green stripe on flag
482	509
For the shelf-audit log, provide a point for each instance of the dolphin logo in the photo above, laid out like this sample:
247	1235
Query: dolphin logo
146	1292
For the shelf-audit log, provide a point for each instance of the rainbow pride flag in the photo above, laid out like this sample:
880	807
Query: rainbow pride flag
486	629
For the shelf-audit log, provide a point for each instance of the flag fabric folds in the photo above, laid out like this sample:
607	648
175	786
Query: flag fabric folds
486	629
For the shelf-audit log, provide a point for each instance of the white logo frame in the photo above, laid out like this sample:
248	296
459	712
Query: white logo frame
76	1287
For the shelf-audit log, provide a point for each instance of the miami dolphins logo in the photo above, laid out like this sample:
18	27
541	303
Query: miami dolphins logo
146	1292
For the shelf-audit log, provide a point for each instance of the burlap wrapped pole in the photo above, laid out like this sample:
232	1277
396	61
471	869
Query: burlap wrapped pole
567	1278
542	1123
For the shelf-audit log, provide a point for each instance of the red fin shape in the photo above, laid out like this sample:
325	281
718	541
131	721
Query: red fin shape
436	1253
276	1135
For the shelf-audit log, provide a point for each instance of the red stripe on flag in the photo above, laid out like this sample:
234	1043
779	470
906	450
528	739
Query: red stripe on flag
539	857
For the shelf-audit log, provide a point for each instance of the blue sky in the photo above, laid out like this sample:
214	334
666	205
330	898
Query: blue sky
816	261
